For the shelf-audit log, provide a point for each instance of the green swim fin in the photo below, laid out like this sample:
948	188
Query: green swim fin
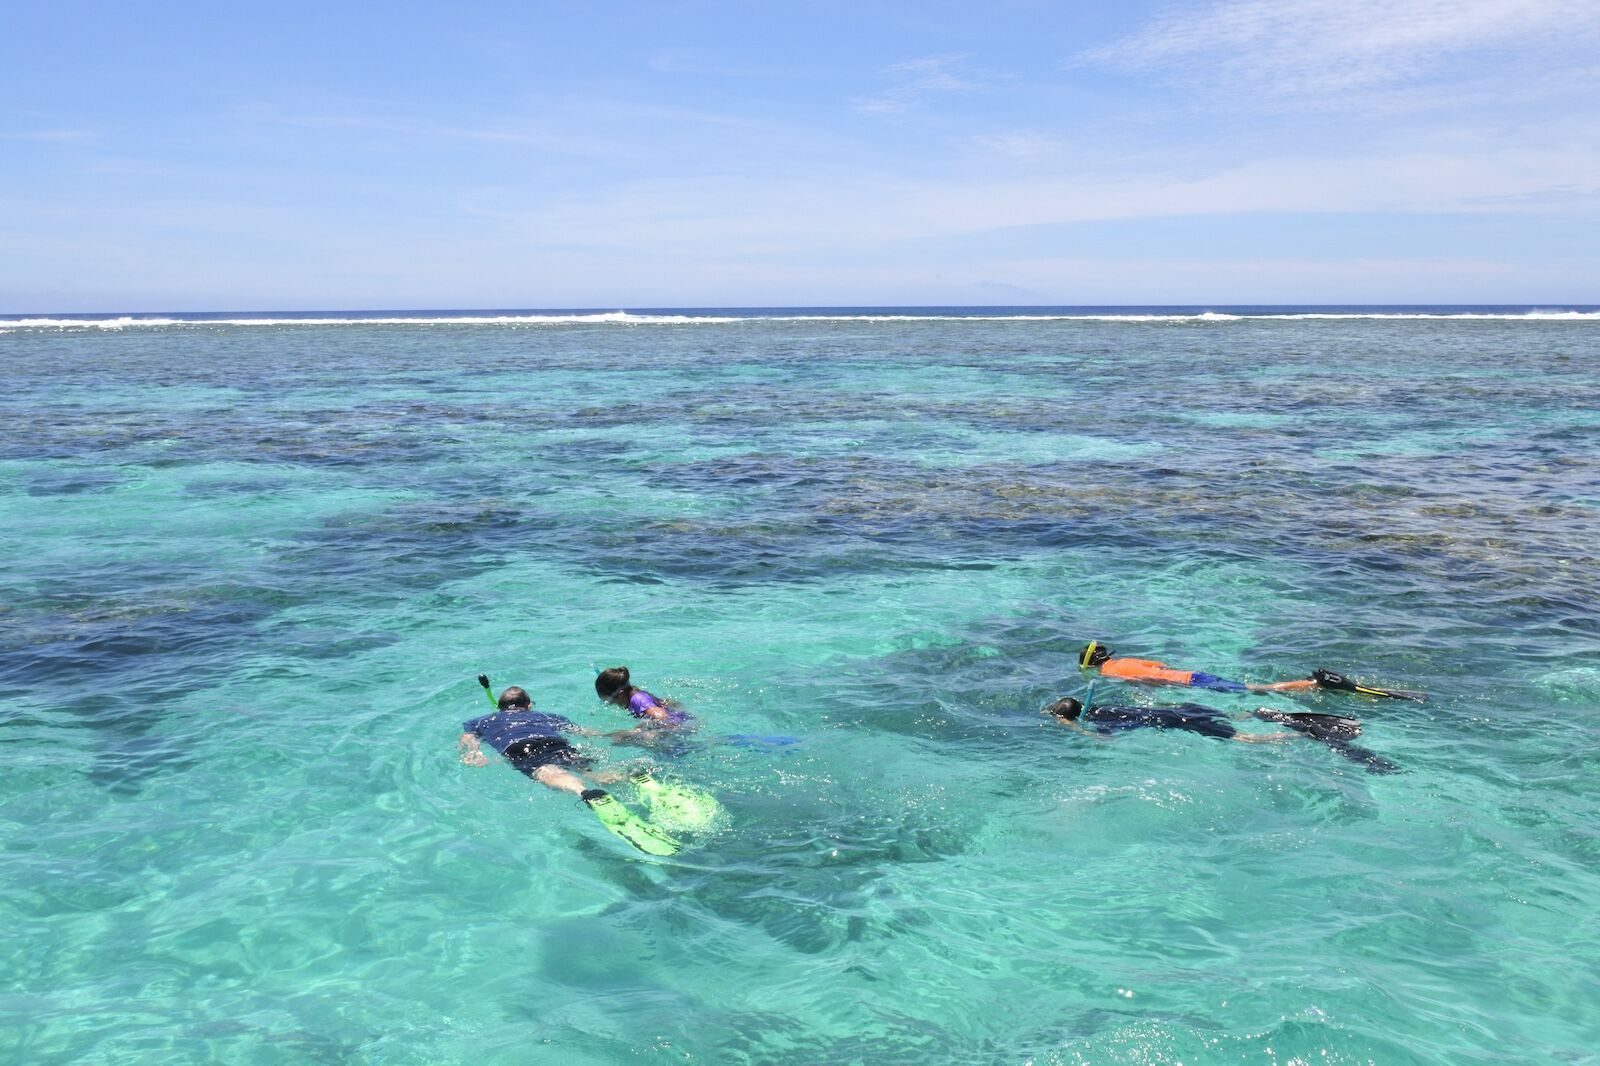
625	824
1340	683
677	806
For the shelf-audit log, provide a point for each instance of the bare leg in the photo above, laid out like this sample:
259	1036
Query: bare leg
559	779
1263	738
1284	686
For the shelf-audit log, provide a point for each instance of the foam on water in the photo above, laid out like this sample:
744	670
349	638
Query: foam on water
634	318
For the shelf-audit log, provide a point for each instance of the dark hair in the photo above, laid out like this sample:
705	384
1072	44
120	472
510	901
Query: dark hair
1066	707
514	697
610	682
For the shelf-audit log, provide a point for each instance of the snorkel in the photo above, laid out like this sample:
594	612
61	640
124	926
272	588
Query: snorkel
483	679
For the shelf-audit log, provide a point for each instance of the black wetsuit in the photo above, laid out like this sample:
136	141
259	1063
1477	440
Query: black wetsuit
1335	731
529	738
1189	717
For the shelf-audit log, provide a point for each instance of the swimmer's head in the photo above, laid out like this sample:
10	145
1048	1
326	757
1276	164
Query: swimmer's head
1066	709
611	683
1093	654
514	698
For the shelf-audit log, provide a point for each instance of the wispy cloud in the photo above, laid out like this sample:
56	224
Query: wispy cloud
917	79
1272	50
1019	145
734	216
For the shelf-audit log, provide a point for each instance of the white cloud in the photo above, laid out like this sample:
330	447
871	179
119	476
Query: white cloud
1272	49
1020	145
778	216
917	79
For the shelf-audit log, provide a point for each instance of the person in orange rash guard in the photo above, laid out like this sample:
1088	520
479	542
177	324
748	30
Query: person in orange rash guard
1096	655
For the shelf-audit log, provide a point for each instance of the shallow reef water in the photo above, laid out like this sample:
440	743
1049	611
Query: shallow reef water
253	568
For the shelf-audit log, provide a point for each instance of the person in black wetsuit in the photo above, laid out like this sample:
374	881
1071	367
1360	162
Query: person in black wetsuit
1189	717
1335	731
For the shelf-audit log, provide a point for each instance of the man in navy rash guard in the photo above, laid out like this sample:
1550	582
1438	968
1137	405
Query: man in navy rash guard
531	740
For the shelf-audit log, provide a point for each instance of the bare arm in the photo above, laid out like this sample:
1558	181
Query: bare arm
640	735
1076	728
467	745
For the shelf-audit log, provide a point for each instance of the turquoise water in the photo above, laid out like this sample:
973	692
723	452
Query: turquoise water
253	569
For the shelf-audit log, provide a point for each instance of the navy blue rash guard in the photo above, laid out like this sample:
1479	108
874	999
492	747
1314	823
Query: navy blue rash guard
529	738
502	729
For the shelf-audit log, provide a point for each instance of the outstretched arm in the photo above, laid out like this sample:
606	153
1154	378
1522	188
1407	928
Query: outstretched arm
467	745
638	735
1077	728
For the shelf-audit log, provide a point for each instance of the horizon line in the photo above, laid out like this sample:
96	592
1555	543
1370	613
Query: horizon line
1546	305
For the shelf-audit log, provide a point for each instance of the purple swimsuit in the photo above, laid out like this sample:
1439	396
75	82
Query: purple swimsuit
639	705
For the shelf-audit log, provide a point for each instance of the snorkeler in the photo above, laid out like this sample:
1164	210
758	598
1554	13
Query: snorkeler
656	717
662	728
1335	731
532	742
1188	717
1096	655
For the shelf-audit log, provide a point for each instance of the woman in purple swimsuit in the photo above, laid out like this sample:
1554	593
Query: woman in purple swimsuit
655	717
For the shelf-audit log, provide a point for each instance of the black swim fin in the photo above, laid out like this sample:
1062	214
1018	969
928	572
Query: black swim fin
1335	731
1328	727
1371	760
1340	683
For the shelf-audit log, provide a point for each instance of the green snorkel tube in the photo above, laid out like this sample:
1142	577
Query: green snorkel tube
483	679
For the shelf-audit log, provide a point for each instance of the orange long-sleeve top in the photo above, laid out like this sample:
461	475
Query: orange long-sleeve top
1144	670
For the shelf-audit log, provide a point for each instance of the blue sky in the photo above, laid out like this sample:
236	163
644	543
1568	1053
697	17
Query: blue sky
251	156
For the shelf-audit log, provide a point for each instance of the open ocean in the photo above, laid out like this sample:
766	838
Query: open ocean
253	564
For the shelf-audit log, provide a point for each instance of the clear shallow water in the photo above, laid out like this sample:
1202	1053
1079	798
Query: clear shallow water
252	571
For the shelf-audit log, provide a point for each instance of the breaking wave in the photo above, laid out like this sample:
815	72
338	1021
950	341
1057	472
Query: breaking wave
629	318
